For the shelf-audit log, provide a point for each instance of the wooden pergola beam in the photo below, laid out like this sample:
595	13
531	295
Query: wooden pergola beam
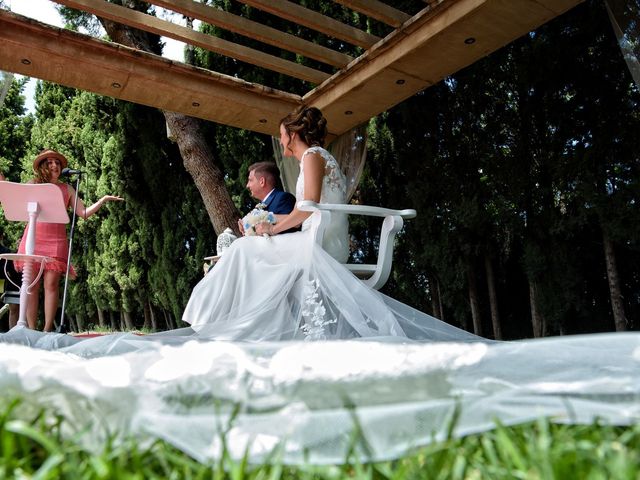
378	10
132	18
314	20
79	61
439	41
255	30
434	44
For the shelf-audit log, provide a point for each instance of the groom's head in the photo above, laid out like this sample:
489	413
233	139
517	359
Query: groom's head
263	177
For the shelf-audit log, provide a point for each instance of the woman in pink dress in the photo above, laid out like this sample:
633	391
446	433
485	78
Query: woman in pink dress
51	238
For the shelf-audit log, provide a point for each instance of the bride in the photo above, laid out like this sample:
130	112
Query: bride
277	286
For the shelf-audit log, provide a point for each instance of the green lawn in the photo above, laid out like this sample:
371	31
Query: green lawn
35	448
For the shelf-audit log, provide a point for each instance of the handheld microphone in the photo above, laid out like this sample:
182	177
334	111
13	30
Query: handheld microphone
67	172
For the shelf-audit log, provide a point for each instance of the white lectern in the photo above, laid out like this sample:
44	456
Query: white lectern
31	203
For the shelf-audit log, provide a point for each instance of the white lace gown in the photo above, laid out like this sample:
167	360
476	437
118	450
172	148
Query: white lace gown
286	287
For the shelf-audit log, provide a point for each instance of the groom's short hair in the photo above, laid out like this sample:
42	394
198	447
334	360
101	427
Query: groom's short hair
267	170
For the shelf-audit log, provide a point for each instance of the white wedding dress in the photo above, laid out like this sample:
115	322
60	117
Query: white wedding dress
287	287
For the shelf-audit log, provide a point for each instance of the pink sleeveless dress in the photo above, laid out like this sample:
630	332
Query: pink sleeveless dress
51	241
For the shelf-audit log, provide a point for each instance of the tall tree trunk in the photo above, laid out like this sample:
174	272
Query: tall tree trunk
493	297
474	299
208	178
147	317
101	321
434	289
113	321
154	322
79	322
441	317
167	319
196	155
72	324
128	320
537	321
615	291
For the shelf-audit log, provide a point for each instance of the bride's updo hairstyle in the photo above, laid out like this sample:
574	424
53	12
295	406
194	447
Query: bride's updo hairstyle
308	123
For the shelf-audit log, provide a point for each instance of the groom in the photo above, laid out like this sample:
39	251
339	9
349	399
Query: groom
262	184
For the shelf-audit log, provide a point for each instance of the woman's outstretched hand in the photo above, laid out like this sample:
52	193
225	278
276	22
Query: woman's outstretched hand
86	212
111	198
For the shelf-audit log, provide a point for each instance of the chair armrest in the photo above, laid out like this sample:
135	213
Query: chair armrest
310	206
377	274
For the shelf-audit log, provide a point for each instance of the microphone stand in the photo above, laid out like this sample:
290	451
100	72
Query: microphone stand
62	328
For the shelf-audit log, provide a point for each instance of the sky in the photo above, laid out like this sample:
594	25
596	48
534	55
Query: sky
45	11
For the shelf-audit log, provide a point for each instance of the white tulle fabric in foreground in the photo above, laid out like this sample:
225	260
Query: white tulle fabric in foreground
305	400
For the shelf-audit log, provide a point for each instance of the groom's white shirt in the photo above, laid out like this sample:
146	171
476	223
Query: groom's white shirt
264	200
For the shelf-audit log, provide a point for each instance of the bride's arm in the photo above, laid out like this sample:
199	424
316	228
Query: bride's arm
314	166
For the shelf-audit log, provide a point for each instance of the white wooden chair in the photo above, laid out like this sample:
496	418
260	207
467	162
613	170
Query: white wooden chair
373	275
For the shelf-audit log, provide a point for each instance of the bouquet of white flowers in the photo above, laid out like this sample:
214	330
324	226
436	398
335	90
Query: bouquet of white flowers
256	216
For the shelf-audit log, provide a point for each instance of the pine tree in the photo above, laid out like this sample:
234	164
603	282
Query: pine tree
15	129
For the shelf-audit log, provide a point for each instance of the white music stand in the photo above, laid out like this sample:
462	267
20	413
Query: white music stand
32	203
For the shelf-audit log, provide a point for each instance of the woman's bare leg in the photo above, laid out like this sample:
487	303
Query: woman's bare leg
32	306
14	313
51	291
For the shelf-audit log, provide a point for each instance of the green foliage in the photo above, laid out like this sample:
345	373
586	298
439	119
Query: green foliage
525	158
147	250
15	128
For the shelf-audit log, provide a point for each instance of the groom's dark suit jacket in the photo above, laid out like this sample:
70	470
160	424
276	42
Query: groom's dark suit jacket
280	203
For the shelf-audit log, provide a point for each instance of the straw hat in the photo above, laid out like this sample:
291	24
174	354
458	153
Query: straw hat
43	155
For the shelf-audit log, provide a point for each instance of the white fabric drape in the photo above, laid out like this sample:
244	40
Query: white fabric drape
5	83
625	18
349	149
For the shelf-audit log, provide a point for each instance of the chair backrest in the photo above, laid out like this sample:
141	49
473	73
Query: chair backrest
373	275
